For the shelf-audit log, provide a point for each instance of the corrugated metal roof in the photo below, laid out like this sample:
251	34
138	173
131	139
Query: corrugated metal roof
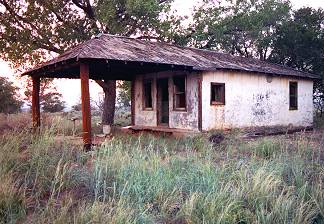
119	48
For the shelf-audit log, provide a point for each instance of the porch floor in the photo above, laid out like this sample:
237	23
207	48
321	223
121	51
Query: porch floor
160	129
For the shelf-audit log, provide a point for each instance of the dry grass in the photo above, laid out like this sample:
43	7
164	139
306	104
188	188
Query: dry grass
149	179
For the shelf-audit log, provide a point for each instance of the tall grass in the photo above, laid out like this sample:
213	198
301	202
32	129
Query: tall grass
147	179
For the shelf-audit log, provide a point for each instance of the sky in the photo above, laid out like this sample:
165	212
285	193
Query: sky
70	89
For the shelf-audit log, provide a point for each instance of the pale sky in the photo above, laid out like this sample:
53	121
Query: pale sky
70	89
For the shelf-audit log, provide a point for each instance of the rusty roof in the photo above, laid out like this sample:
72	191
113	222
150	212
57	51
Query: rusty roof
110	47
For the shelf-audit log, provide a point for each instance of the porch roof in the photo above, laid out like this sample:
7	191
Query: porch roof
116	57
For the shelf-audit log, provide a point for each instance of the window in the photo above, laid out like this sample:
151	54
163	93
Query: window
179	90
217	94
147	95
293	95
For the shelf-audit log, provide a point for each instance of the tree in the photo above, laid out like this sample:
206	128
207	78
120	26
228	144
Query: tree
50	100
10	102
245	28
299	41
77	107
31	29
299	44
124	94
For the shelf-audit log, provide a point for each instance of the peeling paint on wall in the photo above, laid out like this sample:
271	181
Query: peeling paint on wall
177	119
261	107
186	119
252	101
144	117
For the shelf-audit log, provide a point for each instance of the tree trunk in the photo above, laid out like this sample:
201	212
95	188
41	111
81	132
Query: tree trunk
108	113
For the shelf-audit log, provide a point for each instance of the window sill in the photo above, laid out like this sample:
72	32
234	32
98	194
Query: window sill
293	109
147	109
180	109
217	103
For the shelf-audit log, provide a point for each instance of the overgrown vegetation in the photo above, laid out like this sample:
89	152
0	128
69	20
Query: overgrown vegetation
147	179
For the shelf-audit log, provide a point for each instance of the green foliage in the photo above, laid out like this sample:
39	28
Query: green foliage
124	93
129	17
55	26
52	102
246	28
10	102
300	40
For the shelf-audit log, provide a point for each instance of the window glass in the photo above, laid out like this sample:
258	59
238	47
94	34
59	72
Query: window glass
179	92
147	93
293	95
217	95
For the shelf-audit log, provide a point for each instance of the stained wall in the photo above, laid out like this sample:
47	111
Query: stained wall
187	119
255	100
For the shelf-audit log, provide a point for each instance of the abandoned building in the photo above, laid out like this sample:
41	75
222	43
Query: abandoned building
185	88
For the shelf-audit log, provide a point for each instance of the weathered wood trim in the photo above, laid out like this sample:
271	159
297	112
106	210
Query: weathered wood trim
35	102
133	101
295	95
86	111
143	82
165	74
200	78
174	108
218	103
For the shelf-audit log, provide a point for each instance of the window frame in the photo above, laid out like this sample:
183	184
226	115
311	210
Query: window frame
295	95
182	109
146	81
214	102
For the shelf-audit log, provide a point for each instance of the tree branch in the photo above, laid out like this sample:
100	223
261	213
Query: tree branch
86	7
13	13
48	48
102	84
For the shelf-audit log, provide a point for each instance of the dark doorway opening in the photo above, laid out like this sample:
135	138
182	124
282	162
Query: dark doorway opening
163	102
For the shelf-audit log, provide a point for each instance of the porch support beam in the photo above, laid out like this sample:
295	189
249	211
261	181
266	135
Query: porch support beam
133	101
86	111
35	102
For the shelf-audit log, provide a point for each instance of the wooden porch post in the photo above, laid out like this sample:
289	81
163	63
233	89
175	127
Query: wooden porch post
86	111
35	103
133	101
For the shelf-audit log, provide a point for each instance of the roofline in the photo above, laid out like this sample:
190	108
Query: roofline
78	57
76	61
214	51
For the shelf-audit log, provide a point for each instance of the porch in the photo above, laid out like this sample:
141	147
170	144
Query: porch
159	130
88	61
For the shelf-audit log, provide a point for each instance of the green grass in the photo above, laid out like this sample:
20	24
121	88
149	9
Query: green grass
147	179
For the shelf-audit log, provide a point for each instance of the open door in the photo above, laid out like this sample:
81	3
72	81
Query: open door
163	102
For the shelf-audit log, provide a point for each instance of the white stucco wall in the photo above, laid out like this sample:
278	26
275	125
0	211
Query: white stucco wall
144	117
252	101
177	119
185	119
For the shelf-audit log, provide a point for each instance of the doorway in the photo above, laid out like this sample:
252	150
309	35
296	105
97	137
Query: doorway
163	102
